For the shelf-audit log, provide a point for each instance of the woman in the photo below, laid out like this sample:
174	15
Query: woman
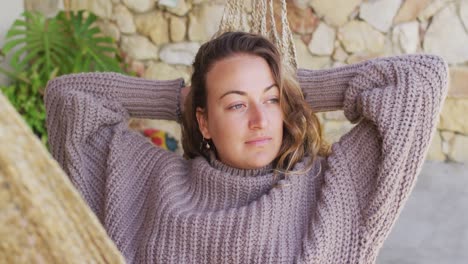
259	184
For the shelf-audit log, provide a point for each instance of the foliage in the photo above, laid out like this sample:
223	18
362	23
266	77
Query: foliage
27	99
42	48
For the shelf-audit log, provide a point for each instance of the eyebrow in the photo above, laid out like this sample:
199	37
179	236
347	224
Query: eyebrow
244	93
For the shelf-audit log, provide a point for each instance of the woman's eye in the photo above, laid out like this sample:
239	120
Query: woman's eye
236	107
273	100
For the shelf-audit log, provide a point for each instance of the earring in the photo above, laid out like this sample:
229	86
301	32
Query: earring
204	144
207	145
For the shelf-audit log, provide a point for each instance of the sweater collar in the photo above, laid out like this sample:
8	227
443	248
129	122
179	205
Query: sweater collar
219	165
217	186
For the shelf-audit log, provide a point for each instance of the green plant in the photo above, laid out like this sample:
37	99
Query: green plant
42	48
26	97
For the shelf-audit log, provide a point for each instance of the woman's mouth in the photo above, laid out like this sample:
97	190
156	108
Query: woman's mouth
258	141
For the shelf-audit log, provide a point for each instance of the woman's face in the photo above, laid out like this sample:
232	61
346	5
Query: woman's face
243	116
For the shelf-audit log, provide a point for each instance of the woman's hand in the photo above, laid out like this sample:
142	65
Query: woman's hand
183	94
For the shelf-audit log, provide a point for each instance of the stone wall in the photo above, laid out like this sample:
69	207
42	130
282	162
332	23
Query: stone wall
160	42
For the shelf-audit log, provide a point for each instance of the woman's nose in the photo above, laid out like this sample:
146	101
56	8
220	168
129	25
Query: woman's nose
257	117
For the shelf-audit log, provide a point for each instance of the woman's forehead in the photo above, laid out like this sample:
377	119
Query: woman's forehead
246	73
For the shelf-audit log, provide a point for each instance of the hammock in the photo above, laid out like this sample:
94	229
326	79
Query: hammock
261	21
42	216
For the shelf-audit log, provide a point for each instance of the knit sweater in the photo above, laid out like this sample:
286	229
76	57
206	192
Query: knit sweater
161	208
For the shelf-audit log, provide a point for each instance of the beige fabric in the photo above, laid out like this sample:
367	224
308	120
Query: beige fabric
261	21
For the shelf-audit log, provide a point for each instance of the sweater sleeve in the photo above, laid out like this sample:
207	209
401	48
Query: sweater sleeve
87	124
395	102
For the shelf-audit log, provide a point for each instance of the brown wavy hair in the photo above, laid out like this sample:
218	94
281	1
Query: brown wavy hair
301	129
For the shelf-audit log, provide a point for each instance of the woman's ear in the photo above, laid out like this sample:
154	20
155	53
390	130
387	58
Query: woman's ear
202	122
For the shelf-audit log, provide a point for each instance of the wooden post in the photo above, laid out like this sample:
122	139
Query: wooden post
43	219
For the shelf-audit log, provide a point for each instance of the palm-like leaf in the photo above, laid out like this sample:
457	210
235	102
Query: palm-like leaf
96	51
38	42
69	44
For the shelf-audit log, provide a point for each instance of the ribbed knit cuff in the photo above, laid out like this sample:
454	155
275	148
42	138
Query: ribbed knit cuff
324	90
150	98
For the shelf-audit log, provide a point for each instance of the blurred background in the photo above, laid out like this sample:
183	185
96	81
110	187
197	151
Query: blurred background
159	39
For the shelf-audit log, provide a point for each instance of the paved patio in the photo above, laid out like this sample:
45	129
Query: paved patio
433	227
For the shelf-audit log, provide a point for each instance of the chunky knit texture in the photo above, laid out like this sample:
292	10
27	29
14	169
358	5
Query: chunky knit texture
160	208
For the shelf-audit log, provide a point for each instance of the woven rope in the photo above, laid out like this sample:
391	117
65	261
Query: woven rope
261	21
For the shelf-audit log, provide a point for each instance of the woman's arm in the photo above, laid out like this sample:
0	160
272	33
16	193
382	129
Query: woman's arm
372	169
324	90
87	123
139	97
